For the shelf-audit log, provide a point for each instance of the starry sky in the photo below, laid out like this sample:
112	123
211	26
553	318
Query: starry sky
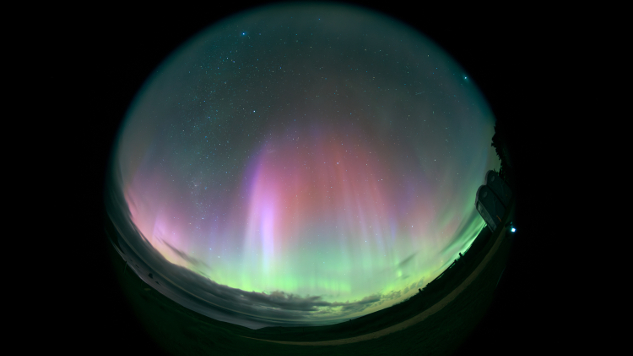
301	165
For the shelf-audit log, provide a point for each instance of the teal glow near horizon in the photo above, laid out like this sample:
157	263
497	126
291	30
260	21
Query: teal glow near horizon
308	151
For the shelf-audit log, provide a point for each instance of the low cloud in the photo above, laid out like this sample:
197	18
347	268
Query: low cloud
202	294
407	260
392	295
252	309
194	261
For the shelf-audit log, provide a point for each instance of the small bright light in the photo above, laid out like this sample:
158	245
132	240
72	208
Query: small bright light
513	230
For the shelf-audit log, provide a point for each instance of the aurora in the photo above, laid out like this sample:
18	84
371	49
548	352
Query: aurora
300	165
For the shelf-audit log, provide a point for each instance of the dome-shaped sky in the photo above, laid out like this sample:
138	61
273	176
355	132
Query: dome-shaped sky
301	164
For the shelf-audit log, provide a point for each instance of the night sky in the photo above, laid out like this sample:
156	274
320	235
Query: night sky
302	165
87	71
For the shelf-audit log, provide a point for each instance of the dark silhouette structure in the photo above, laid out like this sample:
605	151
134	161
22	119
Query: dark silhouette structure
492	199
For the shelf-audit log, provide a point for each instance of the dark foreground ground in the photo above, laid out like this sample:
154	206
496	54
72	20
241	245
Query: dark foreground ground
166	327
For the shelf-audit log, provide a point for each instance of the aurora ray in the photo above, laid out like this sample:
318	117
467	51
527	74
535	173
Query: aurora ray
306	164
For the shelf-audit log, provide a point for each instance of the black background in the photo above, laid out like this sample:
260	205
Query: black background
97	61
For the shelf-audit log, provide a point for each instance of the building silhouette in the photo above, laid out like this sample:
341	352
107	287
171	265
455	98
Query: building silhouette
492	199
